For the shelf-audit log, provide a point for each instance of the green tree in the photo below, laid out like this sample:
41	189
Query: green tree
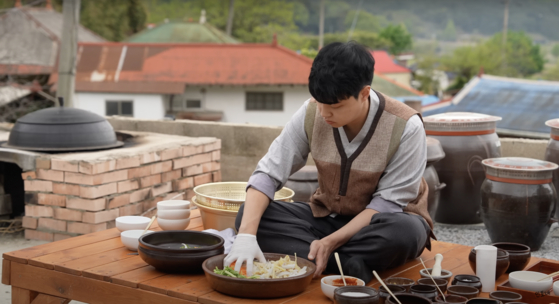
522	56
365	21
113	20
426	72
551	73
555	50
400	39
449	33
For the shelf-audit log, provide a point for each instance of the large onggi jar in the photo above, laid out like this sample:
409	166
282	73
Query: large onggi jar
552	153
518	200
467	139
434	154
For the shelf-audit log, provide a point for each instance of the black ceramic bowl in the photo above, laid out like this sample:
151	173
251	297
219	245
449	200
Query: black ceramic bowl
393	288
442	283
407	298
403	282
161	250
503	261
483	301
519	255
467	280
464	291
505	296
451	299
341	295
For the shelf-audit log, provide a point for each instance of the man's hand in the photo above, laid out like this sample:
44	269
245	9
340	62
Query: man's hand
245	249
320	252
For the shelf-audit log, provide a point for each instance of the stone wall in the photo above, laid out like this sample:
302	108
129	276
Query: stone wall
68	196
522	147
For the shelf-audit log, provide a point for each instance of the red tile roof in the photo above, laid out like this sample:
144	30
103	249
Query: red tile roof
119	64
385	64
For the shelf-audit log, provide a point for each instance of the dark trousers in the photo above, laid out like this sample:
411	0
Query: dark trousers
389	241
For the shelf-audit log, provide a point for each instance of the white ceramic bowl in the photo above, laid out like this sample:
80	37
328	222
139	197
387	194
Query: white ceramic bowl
172	205
166	224
130	238
528	280
178	214
124	223
556	288
328	289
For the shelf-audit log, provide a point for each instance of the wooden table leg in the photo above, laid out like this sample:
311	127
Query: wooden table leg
23	296
6	270
48	299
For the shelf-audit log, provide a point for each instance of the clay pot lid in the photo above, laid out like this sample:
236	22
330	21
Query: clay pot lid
435	151
460	124
306	174
519	170
553	123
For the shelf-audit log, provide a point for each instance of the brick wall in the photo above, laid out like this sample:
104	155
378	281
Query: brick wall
65	198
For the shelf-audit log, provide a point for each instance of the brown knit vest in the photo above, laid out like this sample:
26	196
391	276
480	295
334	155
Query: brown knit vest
347	184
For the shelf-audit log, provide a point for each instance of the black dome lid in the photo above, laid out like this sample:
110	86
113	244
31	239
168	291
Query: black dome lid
61	116
62	130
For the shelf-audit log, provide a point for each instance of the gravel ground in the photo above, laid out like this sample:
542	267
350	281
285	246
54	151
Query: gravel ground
473	235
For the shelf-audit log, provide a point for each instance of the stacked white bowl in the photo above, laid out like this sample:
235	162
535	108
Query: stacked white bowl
131	228
173	215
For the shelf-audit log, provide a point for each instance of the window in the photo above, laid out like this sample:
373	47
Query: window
264	101
196	104
122	108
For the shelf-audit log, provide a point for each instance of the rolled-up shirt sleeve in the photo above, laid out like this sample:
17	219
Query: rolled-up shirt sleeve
287	154
401	179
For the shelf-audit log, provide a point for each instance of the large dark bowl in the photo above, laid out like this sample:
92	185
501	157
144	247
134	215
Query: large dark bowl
258	288
442	283
503	261
153	250
519	255
464	291
451	299
407	298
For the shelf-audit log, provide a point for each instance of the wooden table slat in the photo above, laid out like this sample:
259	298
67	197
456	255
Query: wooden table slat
191	291
134	277
105	272
76	267
170	281
82	289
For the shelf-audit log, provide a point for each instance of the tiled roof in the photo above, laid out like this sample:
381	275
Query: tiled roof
385	64
187	64
391	87
182	32
524	105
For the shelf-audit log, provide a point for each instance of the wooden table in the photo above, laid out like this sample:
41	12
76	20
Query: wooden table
97	268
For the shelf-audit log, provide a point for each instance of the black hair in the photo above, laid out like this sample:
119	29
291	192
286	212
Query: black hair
339	71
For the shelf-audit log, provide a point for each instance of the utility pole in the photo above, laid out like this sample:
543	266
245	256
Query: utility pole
68	50
354	23
505	28
229	28
321	26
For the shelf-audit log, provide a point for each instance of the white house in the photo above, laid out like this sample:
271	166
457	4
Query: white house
242	83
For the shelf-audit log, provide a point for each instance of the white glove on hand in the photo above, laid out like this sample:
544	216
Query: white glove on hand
245	249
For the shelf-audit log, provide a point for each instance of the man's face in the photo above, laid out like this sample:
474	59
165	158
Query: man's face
345	111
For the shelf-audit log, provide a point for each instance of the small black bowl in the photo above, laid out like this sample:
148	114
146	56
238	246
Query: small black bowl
159	249
340	298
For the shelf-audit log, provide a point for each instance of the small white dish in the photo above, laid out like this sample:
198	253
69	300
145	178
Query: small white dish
172	205
166	224
124	223
556	288
130	238
178	214
528	280
328	288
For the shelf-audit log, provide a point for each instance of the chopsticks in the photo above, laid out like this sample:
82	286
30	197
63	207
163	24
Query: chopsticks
340	266
386	287
442	293
549	276
149	225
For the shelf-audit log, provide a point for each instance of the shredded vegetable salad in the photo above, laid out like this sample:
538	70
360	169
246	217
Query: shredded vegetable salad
282	268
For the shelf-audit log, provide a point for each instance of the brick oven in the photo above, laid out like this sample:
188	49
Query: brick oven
70	194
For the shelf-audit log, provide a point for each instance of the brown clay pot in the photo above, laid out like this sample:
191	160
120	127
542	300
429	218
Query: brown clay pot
406	298
464	291
441	283
505	296
467	139
552	155
503	261
518	200
384	295
467	280
519	255
451	299
402	282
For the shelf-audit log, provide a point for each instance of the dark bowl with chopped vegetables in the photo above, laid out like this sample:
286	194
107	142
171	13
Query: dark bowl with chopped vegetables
228	281
179	251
